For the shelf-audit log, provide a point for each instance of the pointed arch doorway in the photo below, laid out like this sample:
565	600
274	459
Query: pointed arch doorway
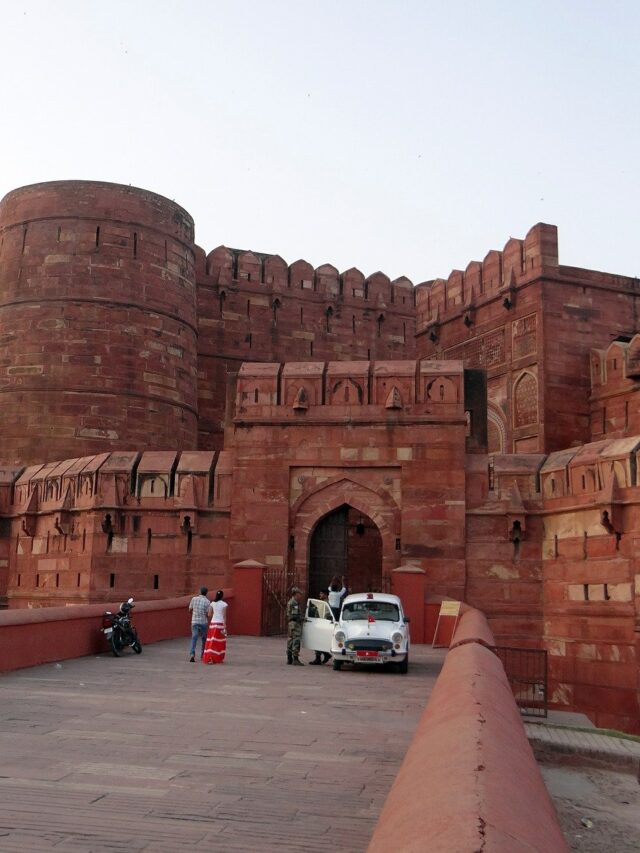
346	542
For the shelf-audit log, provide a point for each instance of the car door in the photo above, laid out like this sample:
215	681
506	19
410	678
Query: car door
318	626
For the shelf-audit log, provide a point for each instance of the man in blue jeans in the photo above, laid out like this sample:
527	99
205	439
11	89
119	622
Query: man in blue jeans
199	607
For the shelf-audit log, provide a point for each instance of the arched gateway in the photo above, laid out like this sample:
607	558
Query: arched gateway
345	527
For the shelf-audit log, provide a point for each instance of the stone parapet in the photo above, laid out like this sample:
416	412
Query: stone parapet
469	780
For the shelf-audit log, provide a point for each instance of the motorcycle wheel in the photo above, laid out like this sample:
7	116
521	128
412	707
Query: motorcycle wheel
116	644
137	647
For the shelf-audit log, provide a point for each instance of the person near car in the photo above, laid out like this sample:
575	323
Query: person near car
337	590
215	646
321	657
294	627
199	607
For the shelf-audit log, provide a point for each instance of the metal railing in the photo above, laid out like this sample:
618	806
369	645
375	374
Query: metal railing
276	586
526	671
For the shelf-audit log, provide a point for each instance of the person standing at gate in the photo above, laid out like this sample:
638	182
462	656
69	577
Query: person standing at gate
337	590
199	607
294	627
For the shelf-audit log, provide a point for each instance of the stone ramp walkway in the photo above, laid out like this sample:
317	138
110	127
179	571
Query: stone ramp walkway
152	753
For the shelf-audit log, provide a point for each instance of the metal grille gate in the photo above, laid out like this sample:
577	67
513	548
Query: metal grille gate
526	671
276	584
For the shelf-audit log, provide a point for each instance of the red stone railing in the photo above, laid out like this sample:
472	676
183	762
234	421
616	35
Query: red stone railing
48	634
469	780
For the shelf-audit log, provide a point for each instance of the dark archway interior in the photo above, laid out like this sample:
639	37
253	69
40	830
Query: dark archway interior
346	542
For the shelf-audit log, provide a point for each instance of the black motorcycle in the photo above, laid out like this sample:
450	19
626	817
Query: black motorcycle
119	631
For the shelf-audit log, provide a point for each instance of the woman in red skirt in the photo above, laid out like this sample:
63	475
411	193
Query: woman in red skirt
216	642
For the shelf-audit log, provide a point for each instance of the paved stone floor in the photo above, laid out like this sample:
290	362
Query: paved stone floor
152	753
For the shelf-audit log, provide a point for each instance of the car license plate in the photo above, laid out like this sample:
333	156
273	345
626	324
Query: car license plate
366	654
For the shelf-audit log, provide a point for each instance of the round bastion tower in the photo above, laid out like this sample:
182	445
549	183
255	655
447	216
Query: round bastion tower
97	322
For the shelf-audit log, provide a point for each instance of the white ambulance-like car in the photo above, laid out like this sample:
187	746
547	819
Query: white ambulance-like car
372	630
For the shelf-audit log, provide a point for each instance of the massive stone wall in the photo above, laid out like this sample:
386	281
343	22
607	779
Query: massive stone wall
591	592
256	307
121	340
615	382
153	525
387	438
107	344
551	558
530	323
98	321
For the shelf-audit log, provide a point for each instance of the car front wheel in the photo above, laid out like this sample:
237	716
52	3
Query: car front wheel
403	666
337	665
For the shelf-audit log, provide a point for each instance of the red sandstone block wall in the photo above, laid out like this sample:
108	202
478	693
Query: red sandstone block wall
503	581
81	373
293	465
575	320
614	408
150	525
508	344
254	307
590	585
537	369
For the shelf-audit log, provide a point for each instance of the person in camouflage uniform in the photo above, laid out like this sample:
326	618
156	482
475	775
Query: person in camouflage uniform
294	627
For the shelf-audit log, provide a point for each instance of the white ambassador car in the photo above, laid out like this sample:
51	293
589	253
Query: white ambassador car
372	630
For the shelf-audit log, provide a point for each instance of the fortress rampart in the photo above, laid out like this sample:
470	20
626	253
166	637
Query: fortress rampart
216	408
530	323
119	330
256	307
98	318
495	276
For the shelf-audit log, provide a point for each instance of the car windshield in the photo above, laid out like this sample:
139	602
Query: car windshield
383	610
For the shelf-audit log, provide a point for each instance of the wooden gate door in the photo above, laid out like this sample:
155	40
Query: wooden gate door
328	553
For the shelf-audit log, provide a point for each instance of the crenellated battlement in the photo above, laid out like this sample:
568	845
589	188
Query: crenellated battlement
496	275
82	528
122	480
226	267
592	470
317	389
615	382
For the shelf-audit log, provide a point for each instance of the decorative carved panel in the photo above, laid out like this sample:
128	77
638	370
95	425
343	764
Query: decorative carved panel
525	400
482	351
523	336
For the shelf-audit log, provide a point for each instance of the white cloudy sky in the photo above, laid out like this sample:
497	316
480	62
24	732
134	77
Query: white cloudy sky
409	136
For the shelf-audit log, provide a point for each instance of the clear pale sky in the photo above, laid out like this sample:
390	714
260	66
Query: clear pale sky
409	137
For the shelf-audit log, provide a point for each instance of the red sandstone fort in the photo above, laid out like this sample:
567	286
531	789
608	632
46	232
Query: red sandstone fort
169	414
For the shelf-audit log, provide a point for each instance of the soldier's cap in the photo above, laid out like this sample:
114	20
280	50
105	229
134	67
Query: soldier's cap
295	589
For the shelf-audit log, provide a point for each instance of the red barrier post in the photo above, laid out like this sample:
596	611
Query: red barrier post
408	582
246	615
